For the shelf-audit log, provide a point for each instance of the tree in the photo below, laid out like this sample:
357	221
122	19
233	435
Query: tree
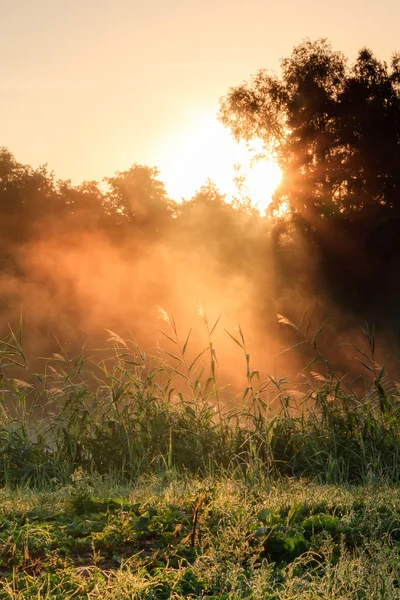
27	197
228	234
86	207
138	197
334	130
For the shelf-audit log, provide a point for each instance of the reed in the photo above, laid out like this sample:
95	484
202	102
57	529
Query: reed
121	413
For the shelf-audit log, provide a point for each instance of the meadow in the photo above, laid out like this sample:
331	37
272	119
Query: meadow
133	476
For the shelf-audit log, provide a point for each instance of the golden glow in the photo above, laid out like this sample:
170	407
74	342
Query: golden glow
203	148
262	179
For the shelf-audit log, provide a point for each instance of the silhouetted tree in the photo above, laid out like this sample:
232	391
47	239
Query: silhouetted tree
26	196
230	233
138	197
334	129
205	212
84	204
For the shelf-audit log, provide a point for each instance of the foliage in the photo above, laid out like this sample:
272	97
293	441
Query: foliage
132	202
334	129
128	414
128	216
188	538
138	196
138	476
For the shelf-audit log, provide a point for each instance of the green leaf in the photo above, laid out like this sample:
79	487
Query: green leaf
309	321
168	337
311	364
320	522
314	340
234	339
293	347
186	343
197	358
361	352
267	516
173	356
246	391
15	362
208	382
142	524
215	324
179	373
117	501
302	320
378	379
364	365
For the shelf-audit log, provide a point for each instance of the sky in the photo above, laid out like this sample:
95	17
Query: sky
92	86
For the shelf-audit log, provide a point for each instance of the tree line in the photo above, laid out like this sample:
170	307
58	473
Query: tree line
334	129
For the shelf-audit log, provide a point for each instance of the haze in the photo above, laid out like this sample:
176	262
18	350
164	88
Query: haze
90	86
105	92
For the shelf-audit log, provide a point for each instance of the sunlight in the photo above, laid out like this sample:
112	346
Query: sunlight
203	148
262	179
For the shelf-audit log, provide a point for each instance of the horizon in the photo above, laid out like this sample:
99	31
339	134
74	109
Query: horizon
91	89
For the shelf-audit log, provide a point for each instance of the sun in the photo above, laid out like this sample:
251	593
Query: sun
261	180
201	148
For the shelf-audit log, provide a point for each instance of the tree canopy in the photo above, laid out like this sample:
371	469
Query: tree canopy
334	129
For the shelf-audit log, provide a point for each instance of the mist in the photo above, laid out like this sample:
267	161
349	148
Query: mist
79	260
72	282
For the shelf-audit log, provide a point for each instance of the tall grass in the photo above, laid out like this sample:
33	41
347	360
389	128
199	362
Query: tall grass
119	412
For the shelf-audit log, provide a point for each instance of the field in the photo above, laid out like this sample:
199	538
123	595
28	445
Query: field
182	537
129	476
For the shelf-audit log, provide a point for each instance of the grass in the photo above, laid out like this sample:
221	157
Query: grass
176	537
127	476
